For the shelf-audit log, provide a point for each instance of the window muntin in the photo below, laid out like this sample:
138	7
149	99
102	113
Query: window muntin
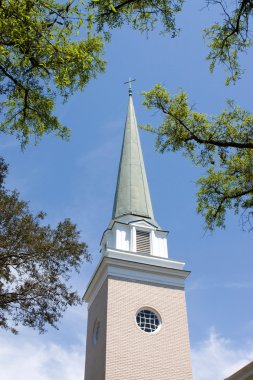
143	241
148	320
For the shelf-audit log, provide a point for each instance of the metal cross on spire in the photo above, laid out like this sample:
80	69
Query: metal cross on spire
130	85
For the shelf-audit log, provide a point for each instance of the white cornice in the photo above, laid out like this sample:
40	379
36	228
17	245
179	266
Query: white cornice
144	259
132	266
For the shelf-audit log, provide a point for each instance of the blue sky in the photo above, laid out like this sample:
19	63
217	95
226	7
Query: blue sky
77	179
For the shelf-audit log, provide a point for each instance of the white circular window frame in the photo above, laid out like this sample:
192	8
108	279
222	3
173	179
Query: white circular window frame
156	313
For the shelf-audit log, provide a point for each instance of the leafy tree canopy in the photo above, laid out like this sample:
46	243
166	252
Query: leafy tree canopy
40	56
230	36
36	262
55	47
141	15
222	143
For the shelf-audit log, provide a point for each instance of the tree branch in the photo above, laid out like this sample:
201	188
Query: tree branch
11	77
117	7
220	143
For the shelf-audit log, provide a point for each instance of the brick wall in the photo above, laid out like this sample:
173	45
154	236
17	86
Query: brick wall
132	354
95	354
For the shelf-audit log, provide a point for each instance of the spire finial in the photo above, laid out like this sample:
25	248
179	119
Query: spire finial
130	85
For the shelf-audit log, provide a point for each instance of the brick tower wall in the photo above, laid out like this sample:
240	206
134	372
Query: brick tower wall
95	354
123	351
132	354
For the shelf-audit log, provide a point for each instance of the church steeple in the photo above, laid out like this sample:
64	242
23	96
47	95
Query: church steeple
137	322
132	195
133	227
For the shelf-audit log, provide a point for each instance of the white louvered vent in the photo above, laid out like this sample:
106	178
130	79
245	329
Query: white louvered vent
142	241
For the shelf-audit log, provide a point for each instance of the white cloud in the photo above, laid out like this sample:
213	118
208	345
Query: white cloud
213	359
217	357
38	361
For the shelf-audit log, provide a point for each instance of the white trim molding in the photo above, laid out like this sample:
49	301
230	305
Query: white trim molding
135	267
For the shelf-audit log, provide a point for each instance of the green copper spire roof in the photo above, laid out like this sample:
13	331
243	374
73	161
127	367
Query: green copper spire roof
132	193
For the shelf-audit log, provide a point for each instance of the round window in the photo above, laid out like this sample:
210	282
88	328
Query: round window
96	329
148	320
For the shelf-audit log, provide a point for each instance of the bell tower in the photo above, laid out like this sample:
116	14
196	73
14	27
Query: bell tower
137	321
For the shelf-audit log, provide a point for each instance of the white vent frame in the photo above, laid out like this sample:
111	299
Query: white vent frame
143	241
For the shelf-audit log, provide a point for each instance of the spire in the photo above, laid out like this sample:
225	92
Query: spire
132	193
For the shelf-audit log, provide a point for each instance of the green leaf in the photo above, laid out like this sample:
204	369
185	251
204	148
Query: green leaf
113	8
